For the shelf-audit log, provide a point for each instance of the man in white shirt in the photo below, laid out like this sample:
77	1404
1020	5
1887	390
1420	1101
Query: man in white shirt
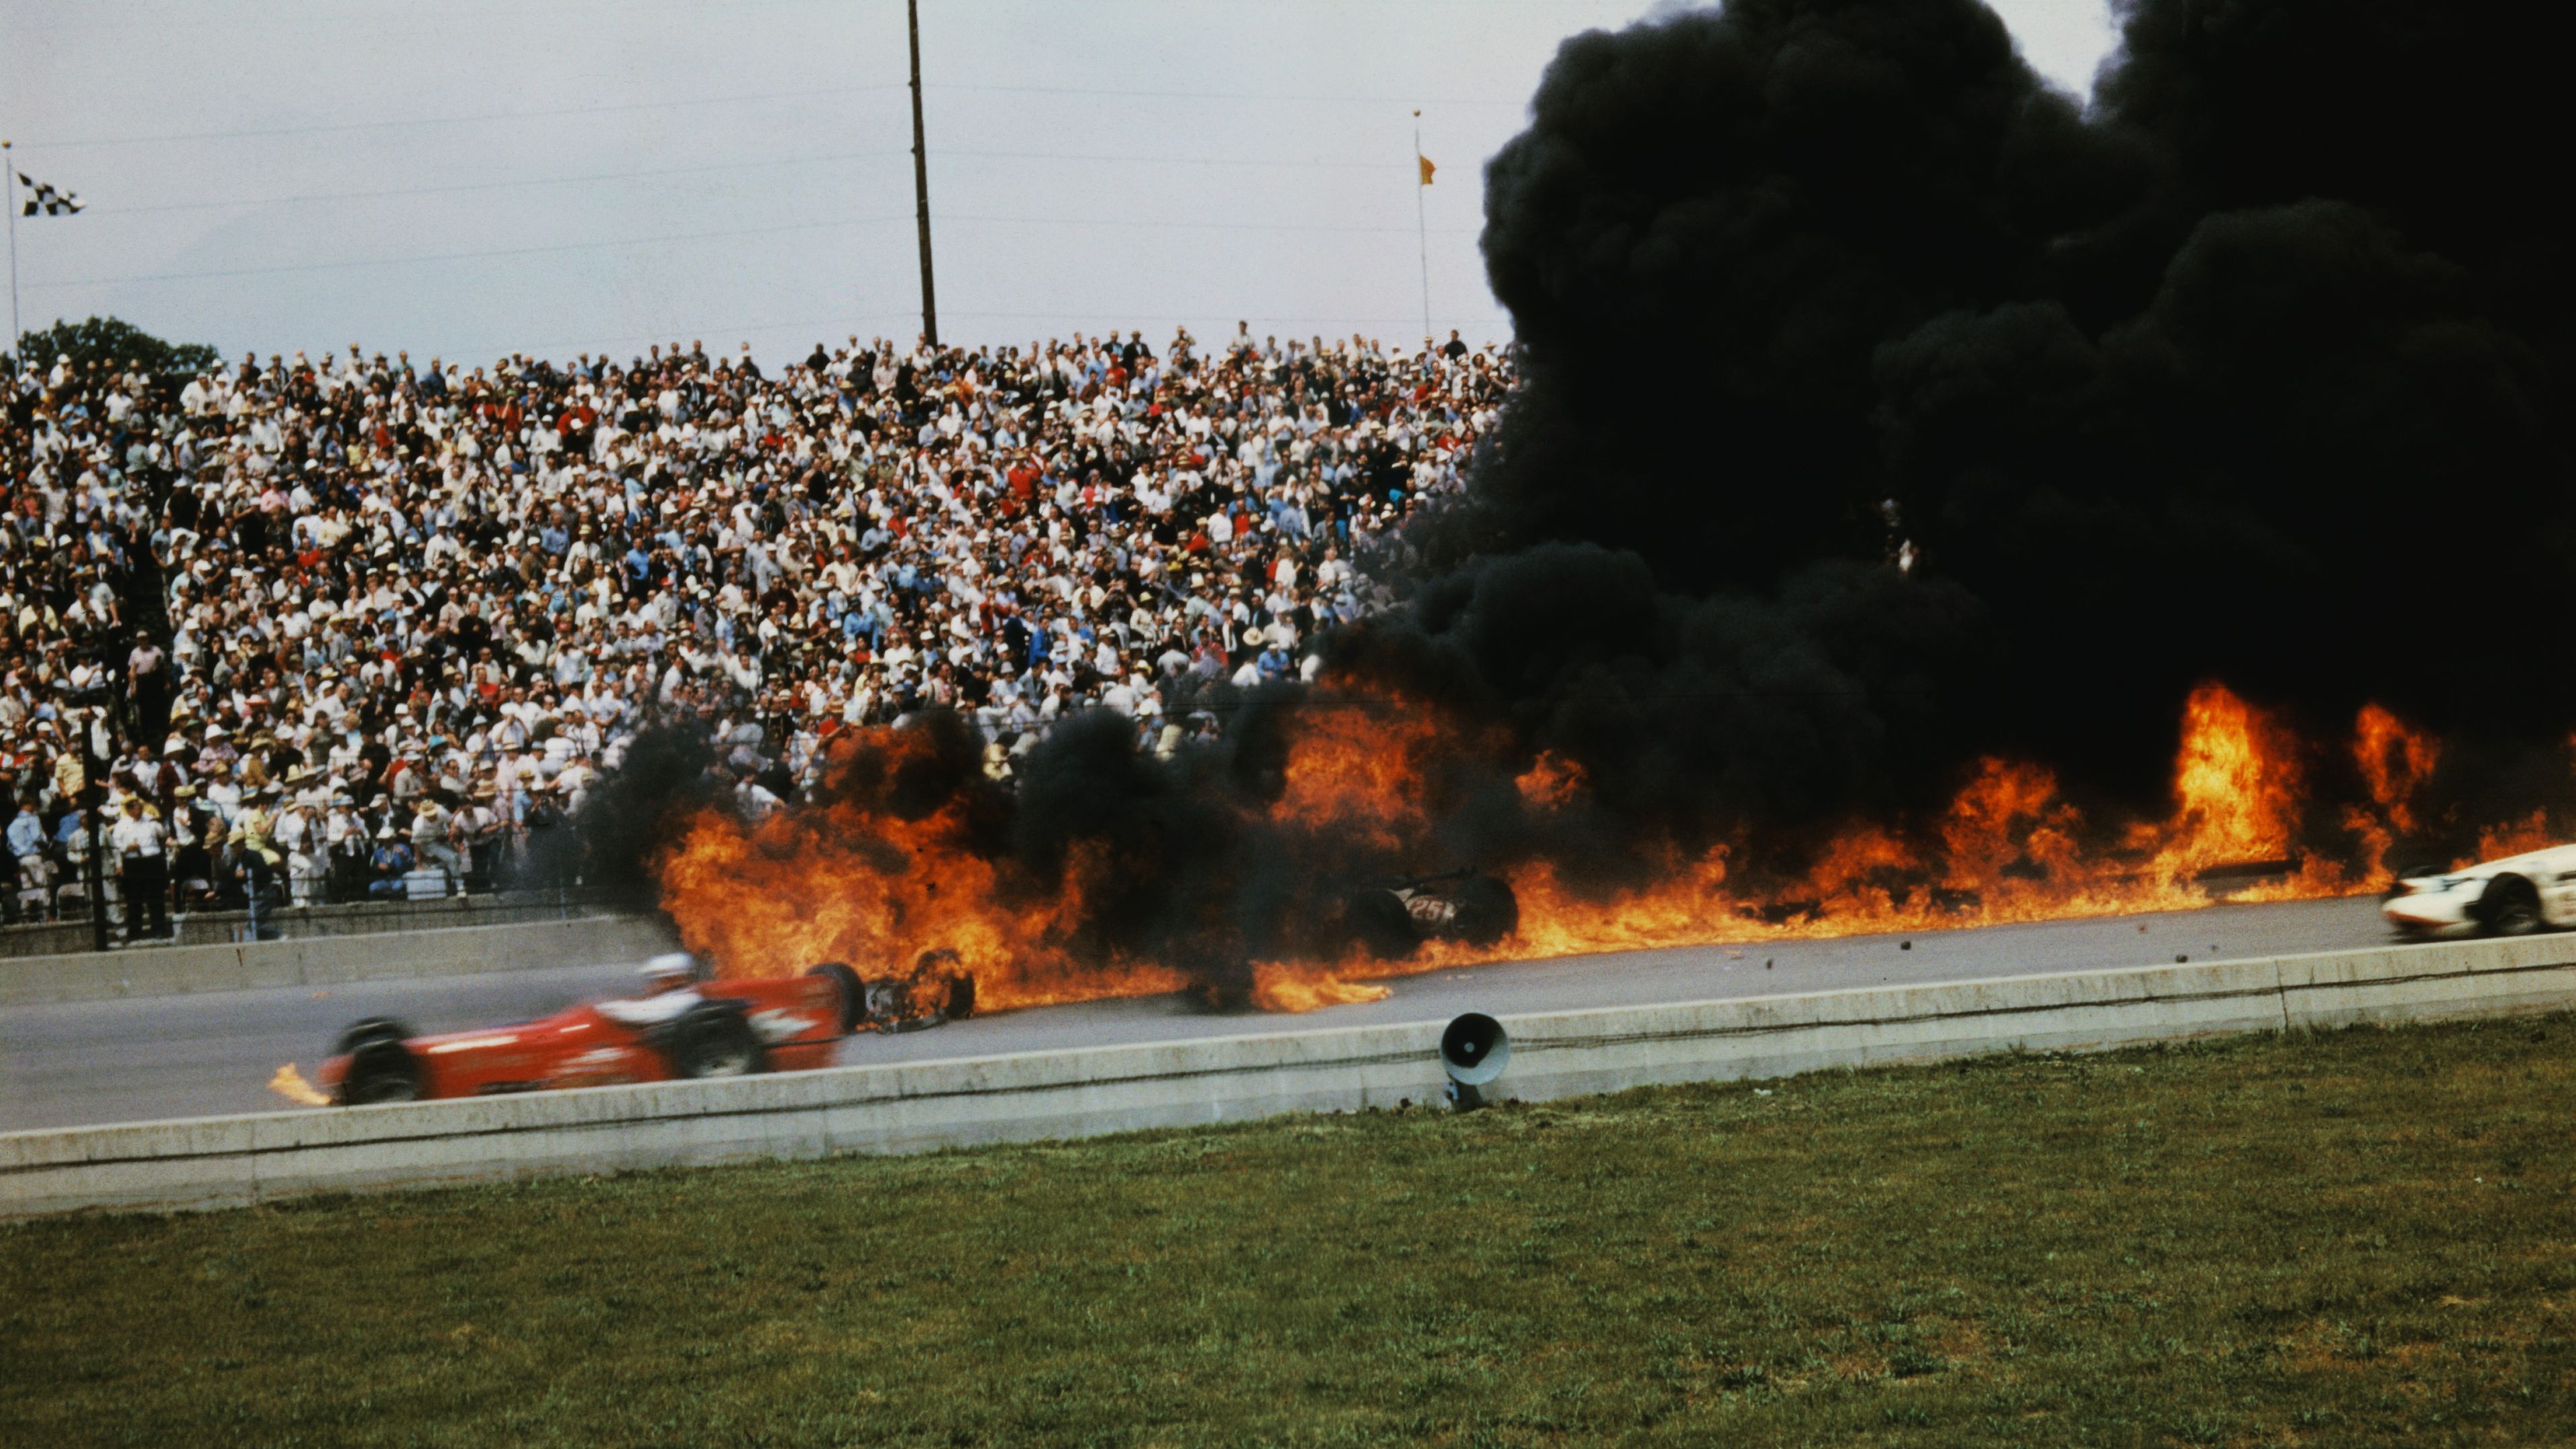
140	840
300	836
429	845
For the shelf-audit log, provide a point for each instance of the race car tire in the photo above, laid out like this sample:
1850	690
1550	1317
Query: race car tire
854	993
1487	911
714	1040
1379	922
382	1069
2510	906
370	1028
961	998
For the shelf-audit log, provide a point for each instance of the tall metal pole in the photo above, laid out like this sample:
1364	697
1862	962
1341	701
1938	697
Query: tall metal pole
1422	227
921	179
8	164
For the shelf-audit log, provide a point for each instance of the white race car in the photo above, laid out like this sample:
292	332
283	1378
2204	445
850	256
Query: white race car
2510	897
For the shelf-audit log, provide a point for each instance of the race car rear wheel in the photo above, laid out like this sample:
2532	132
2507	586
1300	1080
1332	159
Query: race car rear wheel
715	1041
381	1070
2510	906
854	993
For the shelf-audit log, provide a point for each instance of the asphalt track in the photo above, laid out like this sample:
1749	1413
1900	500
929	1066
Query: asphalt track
148	1058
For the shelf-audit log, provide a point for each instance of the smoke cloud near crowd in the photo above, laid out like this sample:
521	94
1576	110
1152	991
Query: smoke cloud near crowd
1885	410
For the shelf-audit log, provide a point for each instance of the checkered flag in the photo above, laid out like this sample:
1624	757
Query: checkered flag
45	200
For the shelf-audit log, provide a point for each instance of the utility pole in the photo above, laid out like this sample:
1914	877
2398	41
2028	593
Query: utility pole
921	179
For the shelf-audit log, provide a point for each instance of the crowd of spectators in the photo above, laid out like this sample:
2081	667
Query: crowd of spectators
319	629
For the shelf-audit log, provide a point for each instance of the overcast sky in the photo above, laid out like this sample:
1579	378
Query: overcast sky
478	177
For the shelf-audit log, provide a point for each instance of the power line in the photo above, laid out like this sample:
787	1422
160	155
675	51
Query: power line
1199	225
236	203
325	128
1123	318
1238	96
1170	160
422	18
1119	223
466	256
460	120
849	319
484	185
834	158
729	328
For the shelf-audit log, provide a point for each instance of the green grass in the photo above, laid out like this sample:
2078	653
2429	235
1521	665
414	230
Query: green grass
2346	1239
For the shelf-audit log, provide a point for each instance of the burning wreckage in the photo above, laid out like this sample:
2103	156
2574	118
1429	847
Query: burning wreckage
1390	919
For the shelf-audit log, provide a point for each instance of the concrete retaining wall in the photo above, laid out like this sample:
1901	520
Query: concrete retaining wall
328	960
225	1161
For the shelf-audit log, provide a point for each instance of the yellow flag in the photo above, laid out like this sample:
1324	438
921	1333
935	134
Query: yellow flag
1427	167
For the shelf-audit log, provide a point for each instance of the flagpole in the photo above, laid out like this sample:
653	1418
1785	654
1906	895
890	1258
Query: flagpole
17	352
1421	227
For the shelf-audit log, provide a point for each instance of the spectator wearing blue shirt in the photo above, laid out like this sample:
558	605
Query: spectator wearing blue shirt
391	862
27	848
27	832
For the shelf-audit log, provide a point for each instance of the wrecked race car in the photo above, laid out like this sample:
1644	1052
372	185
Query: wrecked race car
1393	918
938	990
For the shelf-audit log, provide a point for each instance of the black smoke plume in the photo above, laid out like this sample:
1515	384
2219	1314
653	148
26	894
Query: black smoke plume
2254	373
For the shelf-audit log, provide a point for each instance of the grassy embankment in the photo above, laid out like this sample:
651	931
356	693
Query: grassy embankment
2341	1239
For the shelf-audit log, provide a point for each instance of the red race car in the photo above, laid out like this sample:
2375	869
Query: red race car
683	1028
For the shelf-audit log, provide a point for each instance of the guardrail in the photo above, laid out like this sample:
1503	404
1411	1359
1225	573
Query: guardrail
229	1161
352	918
330	960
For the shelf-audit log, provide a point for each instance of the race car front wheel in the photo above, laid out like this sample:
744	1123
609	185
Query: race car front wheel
2510	906
381	1070
715	1042
854	993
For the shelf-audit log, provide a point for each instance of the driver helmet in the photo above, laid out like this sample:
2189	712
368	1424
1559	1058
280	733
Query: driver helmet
670	966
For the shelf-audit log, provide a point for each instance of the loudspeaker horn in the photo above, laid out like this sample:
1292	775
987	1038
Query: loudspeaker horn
1474	1049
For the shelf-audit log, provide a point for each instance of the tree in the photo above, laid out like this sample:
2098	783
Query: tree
110	340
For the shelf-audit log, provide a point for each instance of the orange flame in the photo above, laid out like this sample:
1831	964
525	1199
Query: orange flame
2513	837
2395	762
1551	782
290	1084
864	881
2235	787
861	881
1361	772
1283	988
